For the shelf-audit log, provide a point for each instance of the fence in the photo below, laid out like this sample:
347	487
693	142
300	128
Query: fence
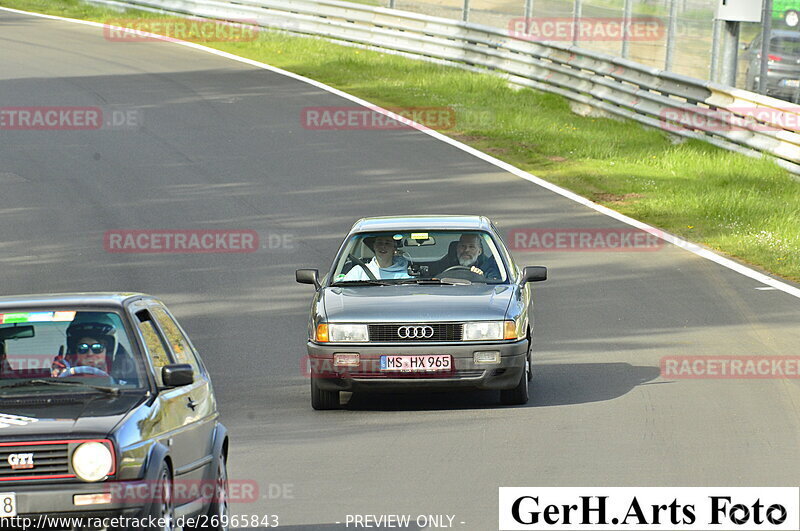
730	118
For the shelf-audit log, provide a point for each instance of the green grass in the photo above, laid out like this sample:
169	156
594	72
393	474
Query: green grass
747	208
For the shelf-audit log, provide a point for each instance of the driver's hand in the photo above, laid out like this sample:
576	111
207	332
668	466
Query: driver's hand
59	365
476	270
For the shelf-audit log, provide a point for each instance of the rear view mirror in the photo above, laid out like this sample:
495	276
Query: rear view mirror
307	276
177	374
534	274
16	332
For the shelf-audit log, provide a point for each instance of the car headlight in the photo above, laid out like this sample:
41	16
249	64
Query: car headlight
341	333
483	331
490	331
92	461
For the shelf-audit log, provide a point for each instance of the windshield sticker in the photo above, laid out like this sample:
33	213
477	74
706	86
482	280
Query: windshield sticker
398	236
7	420
419	235
36	317
63	316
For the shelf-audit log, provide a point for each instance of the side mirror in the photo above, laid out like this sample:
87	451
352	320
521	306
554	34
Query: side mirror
307	276
534	274
177	374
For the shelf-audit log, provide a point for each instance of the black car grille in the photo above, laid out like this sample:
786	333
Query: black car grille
387	333
49	459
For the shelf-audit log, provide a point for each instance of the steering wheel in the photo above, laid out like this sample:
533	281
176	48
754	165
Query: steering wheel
83	369
361	263
462	272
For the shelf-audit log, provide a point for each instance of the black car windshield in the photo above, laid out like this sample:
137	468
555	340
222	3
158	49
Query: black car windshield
420	256
50	346
786	45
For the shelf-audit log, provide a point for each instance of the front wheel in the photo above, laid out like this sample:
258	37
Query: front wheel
322	399
517	396
163	510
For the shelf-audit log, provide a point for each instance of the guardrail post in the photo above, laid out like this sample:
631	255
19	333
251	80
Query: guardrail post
671	34
766	25
716	38
730	52
626	21
528	15
465	11
577	11
392	4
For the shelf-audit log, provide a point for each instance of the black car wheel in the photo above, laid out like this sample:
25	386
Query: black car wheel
322	399
518	395
163	510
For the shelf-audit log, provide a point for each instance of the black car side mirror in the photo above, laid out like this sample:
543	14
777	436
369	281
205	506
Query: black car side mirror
307	276
534	274
177	374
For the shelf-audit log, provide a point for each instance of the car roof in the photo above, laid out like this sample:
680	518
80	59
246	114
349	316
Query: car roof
405	223
114	299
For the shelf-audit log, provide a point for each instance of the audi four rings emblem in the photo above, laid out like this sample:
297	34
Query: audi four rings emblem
415	332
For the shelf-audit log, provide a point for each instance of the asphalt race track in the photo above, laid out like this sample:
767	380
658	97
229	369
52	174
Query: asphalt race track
220	145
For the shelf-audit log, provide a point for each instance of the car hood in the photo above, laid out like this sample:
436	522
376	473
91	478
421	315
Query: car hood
414	303
95	415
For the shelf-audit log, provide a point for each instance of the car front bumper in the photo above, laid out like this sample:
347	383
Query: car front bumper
47	505
466	374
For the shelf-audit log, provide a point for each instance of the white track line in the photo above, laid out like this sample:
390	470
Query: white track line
689	246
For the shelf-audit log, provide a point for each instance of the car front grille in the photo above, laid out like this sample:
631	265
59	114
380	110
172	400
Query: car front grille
388	333
49	460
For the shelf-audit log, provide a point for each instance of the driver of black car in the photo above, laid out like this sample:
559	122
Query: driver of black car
92	350
469	254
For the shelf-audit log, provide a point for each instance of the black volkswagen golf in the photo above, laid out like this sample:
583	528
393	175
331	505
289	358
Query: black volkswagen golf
107	417
421	303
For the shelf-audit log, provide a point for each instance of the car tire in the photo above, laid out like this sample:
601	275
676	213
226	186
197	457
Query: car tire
322	399
517	396
218	515
163	510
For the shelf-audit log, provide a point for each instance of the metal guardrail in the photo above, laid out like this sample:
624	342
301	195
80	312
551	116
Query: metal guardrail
727	117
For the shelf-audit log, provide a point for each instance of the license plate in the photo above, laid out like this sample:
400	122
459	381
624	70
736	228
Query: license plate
8	504
790	82
432	362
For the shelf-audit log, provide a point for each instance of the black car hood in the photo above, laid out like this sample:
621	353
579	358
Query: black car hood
417	303
32	418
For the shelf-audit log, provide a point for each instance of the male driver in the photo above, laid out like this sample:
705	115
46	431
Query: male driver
469	253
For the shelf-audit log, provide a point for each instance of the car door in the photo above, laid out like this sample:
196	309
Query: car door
174	418
199	395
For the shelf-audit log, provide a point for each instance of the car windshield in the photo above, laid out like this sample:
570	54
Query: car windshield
63	350
460	257
786	45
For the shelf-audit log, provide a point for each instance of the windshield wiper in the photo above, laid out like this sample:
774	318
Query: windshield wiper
362	283
436	281
42	381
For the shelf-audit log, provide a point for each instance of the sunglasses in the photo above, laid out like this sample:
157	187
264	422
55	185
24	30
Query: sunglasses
96	348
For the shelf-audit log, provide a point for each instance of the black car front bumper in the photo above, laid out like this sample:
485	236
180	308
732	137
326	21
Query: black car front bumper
465	374
52	506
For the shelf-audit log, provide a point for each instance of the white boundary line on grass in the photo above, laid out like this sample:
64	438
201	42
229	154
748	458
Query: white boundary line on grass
679	242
